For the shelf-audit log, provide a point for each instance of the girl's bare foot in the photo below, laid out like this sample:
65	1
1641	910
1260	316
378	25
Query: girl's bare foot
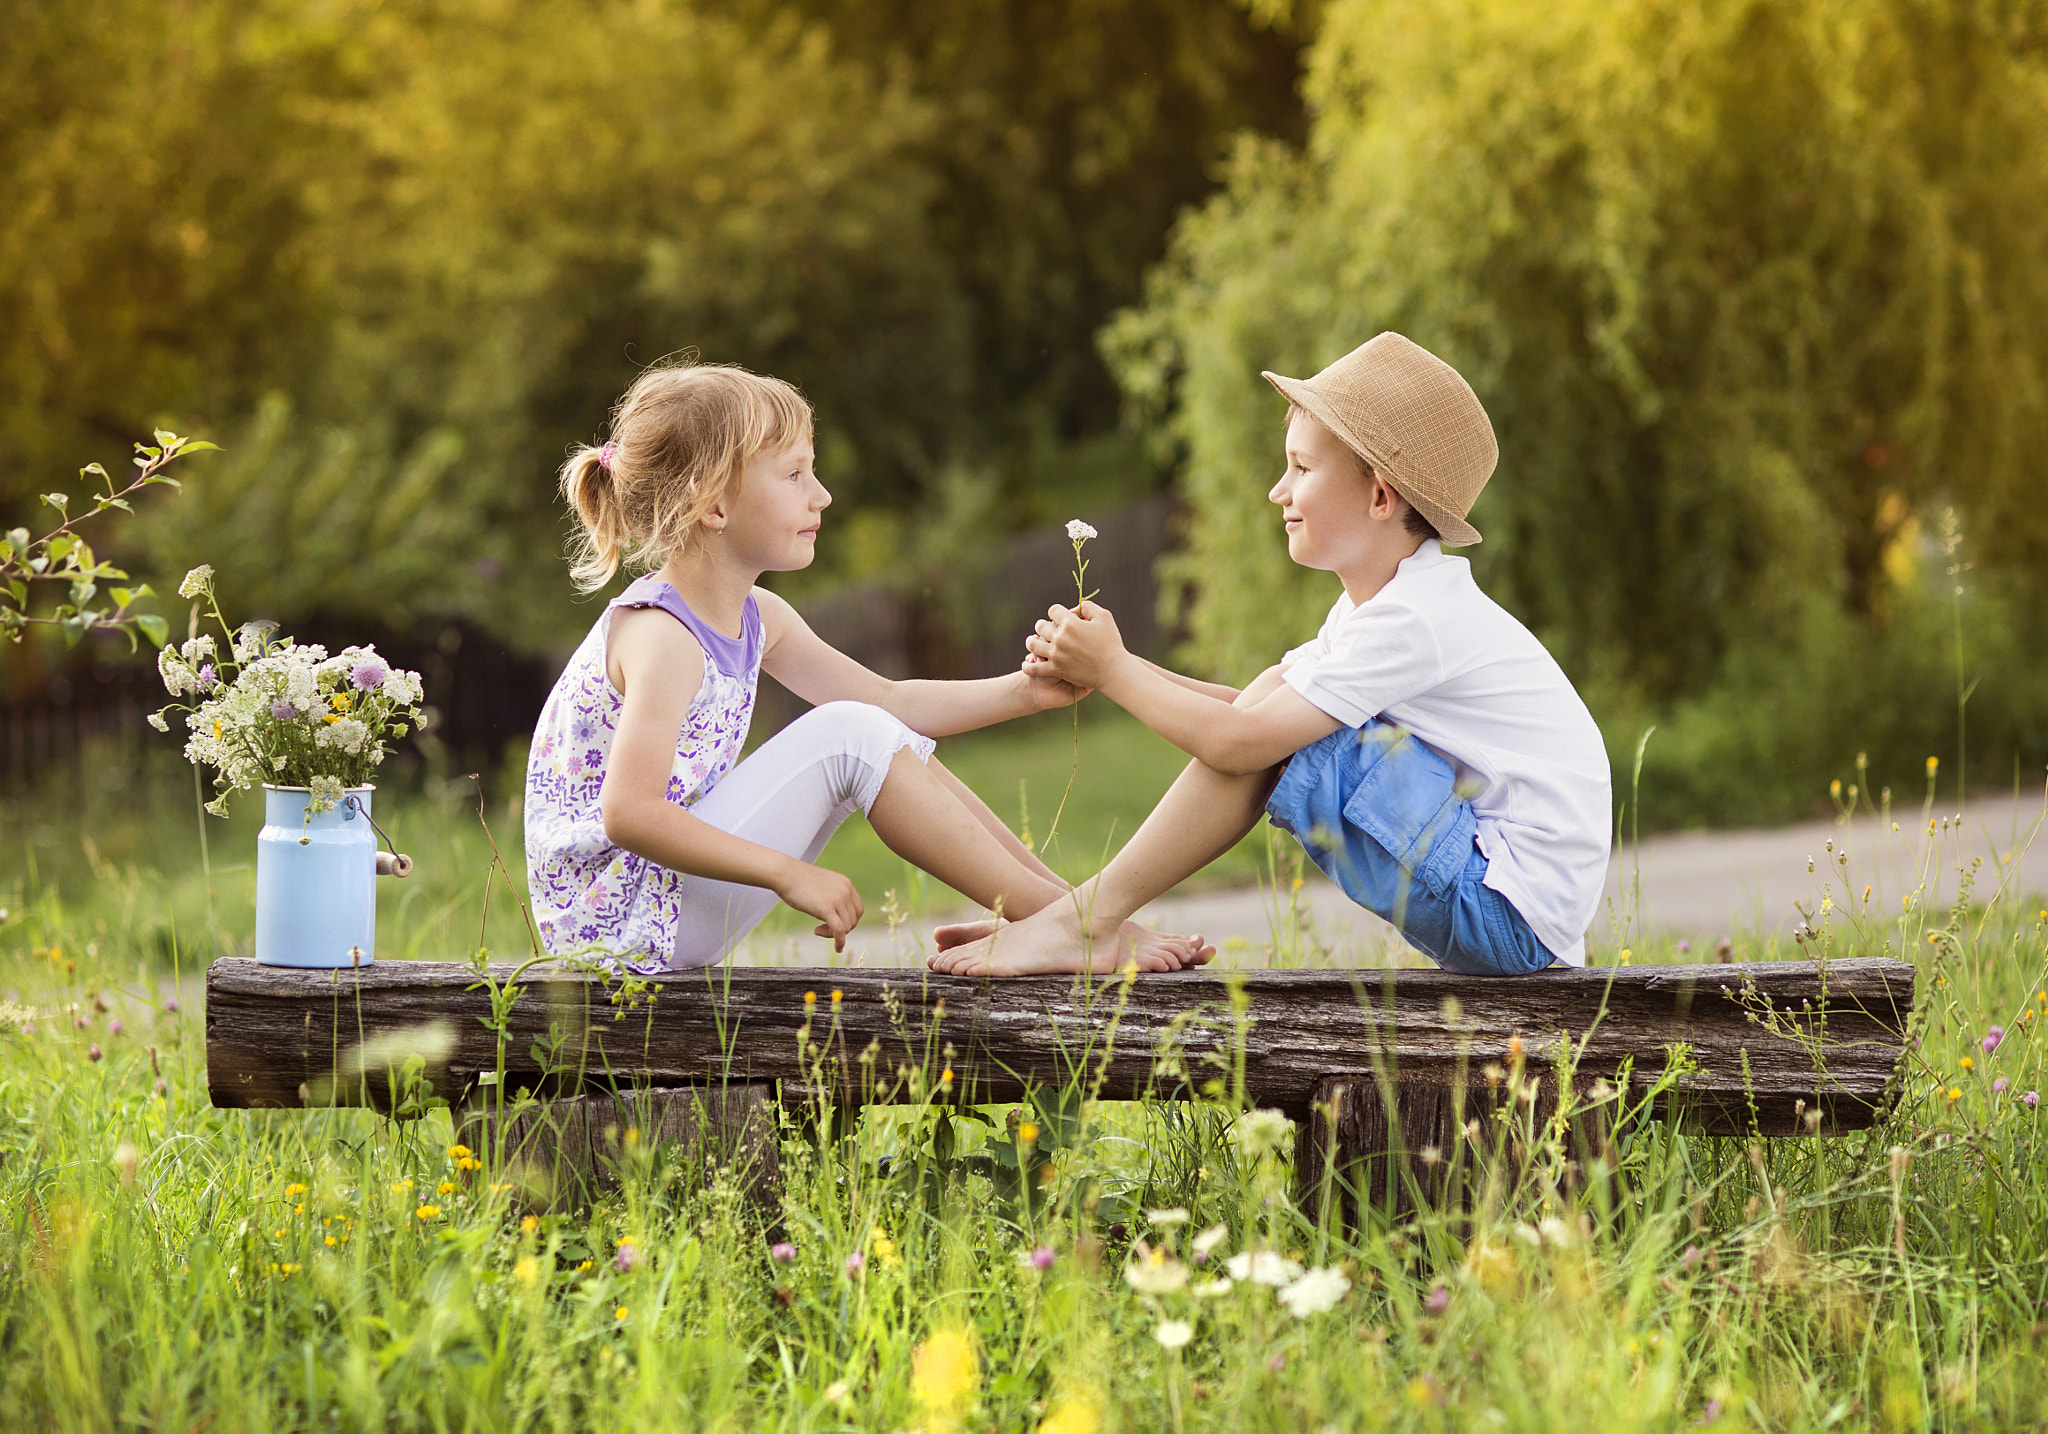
1139	941
1050	941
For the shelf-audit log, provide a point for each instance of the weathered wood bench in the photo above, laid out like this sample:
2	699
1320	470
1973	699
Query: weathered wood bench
1381	1070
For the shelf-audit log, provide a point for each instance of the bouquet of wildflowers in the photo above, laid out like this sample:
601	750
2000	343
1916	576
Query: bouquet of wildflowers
267	709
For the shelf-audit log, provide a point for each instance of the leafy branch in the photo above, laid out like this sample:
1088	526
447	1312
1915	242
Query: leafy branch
63	556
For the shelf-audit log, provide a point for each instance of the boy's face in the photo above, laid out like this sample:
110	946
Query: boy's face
1333	507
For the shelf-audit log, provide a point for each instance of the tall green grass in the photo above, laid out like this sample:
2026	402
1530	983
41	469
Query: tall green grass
167	1265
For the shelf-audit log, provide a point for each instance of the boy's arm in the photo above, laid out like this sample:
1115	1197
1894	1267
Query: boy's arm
818	672
1085	648
658	667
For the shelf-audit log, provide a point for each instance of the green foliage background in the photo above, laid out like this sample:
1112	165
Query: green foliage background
398	258
1752	292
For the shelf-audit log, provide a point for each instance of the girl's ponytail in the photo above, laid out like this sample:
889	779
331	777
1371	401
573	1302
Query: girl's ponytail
590	487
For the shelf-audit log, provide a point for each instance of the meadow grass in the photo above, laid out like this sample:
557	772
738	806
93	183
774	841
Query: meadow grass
168	1265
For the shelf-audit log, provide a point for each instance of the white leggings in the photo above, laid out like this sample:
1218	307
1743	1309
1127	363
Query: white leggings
791	794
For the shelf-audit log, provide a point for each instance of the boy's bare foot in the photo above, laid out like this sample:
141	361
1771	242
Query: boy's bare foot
1051	941
1140	941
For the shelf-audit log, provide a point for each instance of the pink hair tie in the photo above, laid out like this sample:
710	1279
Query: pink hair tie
606	454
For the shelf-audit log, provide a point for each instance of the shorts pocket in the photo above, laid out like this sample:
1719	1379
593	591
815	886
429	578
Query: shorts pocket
1406	801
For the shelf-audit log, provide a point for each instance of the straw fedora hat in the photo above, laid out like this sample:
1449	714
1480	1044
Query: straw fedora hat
1414	419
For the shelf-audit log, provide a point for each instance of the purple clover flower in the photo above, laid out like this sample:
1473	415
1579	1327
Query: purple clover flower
2031	1099
92	1052
370	672
1042	1257
283	711
629	1257
855	1263
1439	1300
1992	1038
782	1252
1998	1086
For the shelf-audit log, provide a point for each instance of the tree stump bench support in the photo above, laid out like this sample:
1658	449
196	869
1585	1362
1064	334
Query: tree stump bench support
1378	1068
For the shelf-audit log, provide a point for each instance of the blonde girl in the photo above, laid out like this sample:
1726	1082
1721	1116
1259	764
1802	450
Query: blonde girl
646	837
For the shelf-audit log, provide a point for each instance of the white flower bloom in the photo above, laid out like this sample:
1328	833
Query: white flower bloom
156	720
197	581
178	678
1316	1292
327	793
1173	1333
1263	1267
1078	531
1210	1238
1211	1289
1154	1272
401	687
1259	1131
1174	1215
348	735
197	650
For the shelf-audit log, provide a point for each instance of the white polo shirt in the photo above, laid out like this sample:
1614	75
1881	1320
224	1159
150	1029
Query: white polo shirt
1433	653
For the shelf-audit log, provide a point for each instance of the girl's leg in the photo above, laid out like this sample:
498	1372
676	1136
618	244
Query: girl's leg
793	793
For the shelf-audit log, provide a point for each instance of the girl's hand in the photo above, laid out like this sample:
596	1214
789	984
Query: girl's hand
827	895
1048	691
1081	646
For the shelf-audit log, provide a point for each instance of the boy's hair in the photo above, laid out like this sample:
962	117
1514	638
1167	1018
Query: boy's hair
680	440
1412	521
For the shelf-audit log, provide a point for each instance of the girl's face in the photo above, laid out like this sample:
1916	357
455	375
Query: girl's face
1327	498
772	524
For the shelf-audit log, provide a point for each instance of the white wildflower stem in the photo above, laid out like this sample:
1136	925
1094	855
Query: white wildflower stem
1079	533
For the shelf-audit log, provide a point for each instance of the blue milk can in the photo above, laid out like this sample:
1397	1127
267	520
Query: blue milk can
316	881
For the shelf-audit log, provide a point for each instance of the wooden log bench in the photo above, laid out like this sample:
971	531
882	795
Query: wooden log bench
1381	1070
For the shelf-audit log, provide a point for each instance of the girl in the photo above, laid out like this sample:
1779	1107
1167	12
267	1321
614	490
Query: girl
644	840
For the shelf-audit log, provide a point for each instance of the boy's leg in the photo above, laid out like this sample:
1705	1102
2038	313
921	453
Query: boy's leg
921	817
1203	814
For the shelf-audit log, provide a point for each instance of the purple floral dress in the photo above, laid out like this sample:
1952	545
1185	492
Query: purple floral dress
589	895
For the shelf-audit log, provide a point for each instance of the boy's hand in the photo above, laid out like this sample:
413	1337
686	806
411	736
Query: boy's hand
1081	646
827	895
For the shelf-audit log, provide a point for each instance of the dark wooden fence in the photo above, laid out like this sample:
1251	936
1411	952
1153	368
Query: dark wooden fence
964	621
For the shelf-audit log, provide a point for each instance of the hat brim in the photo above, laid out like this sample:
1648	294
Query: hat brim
1452	530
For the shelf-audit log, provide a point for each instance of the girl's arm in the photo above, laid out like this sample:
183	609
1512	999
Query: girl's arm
818	672
658	666
1085	647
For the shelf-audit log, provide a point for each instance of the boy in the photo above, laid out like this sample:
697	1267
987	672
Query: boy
1424	747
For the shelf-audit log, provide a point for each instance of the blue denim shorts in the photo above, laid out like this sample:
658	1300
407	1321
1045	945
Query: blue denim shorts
1379	812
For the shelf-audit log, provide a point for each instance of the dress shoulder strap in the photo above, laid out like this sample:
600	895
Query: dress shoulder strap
735	656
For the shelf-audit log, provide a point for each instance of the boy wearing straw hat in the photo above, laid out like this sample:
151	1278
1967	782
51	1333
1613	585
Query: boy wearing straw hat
1424	747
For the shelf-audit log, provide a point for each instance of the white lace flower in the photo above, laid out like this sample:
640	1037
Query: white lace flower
1210	1238
402	687
197	581
1316	1292
1173	1333
326	794
1154	1272
348	735
1078	531
156	720
1259	1131
1211	1289
1263	1267
178	678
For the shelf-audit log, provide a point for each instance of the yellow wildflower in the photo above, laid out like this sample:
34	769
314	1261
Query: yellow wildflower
428	1212
838	996
885	1248
1027	1133
945	1376
1955	1092
446	1187
528	1224
1073	1415
332	1242
1969	1064
294	1189
619	1313
527	1271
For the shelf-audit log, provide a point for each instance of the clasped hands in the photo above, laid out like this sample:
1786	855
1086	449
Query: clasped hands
1079	646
